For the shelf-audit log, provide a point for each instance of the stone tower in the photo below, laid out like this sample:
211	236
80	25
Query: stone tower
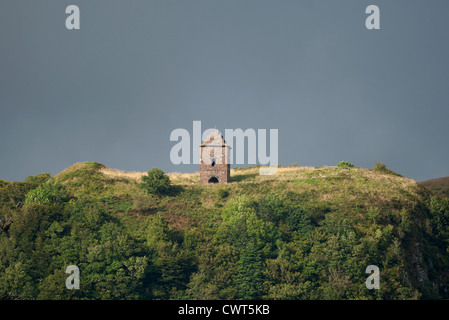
214	163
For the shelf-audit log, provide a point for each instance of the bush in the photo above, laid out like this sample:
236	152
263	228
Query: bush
439	210
39	178
345	164
381	167
156	182
47	194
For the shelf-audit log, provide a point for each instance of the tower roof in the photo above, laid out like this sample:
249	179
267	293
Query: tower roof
215	139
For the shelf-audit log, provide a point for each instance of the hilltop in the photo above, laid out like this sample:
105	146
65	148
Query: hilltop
341	188
304	233
440	185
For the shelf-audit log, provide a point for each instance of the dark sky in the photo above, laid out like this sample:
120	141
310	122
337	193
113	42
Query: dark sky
114	90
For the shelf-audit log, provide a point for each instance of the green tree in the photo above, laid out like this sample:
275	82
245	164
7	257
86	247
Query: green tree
284	277
17	282
53	287
172	269
215	278
250	274
156	182
345	164
12	194
439	210
157	231
47	193
39	178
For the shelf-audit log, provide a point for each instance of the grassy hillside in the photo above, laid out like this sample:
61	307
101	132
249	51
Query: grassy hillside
439	185
304	233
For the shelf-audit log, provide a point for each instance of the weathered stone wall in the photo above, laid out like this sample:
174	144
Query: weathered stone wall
219	171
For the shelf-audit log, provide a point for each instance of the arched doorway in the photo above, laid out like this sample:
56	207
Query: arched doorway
213	180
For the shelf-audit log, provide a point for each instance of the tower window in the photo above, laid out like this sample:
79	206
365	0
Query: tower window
213	162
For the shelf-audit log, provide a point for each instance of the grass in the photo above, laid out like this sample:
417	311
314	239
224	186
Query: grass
439	185
341	189
334	200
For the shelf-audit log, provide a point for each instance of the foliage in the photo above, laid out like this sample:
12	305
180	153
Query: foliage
39	178
280	237
345	164
249	278
156	182
439	210
47	193
12	194
381	167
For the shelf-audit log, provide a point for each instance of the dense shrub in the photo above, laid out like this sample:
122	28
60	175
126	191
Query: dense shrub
345	164
39	178
381	167
47	193
156	182
439	210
